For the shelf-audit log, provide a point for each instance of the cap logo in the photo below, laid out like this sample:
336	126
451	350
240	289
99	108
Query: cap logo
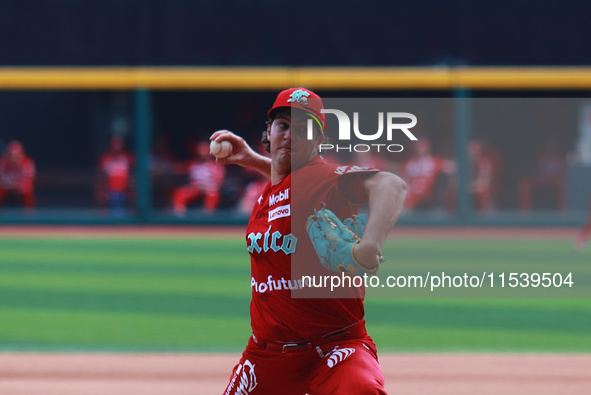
300	96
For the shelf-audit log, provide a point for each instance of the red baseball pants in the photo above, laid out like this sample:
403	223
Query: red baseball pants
340	367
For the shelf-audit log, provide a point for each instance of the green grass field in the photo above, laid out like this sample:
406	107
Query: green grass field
192	294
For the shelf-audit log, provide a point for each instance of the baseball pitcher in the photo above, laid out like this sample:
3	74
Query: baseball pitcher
314	346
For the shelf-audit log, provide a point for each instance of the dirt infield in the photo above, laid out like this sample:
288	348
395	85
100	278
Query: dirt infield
205	374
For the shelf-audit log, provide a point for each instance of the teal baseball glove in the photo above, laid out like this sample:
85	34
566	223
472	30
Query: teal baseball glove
334	240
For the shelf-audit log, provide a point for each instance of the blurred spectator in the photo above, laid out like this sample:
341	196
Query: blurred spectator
205	179
481	176
548	176
115	168
426	177
17	174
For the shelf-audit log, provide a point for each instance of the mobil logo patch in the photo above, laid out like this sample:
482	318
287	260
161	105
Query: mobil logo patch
280	212
279	197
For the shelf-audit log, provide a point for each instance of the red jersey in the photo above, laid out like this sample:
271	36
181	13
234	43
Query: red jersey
207	176
19	175
421	173
117	167
277	239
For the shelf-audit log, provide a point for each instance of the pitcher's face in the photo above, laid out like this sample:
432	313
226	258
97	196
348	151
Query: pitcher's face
290	147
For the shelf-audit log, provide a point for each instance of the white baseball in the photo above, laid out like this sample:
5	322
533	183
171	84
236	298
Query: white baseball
222	149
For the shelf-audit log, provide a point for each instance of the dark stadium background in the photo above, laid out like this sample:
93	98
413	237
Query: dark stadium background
65	131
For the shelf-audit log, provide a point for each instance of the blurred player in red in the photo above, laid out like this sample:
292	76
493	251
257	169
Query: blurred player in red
303	345
548	176
206	178
496	160
481	174
115	165
17	174
421	172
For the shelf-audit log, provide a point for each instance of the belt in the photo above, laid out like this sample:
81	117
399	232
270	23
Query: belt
352	331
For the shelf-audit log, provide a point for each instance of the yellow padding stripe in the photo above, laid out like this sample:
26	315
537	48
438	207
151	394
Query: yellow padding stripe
274	78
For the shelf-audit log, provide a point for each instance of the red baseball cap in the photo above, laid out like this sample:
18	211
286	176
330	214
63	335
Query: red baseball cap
303	99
